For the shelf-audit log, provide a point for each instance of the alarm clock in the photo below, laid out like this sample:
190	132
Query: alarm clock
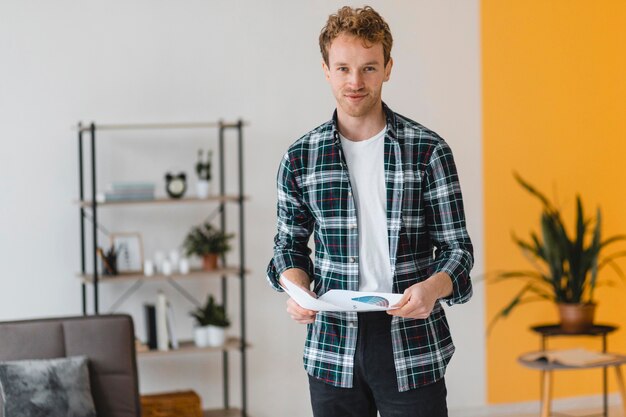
175	185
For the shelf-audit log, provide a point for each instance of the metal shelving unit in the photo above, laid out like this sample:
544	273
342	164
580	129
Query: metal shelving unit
91	205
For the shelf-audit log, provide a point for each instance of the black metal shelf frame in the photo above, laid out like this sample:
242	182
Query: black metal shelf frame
90	131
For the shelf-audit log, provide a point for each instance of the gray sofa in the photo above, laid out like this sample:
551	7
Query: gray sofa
108	341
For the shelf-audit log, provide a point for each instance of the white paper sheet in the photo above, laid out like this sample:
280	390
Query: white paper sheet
342	300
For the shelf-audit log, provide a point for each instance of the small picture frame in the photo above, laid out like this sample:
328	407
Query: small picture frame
129	248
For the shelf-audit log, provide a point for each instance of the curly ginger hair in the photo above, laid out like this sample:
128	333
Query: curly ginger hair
364	23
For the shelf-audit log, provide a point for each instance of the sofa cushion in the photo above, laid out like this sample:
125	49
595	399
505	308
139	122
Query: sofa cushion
46	387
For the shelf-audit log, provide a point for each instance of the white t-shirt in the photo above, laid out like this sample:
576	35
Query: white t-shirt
366	167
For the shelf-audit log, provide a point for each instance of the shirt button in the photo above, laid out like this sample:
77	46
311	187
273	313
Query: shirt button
352	259
349	193
353	226
351	324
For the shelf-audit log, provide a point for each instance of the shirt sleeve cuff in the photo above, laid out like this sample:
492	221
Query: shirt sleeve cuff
273	276
461	284
274	271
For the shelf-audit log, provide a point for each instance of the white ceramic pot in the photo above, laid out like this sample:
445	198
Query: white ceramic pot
183	266
201	336
174	258
148	268
203	188
216	335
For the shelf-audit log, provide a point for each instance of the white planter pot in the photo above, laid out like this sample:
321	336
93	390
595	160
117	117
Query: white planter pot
203	188
215	336
201	336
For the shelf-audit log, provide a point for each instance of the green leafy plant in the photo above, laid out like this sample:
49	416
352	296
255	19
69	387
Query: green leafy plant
565	269
203	167
205	239
210	314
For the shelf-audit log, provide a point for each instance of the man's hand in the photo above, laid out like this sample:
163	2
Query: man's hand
301	279
299	314
419	299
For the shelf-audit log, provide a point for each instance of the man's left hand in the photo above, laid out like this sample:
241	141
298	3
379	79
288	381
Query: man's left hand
419	299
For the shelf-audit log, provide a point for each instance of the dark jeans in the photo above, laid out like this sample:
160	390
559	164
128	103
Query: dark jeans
375	387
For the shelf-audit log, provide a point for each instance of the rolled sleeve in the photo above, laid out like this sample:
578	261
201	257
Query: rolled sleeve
446	224
295	225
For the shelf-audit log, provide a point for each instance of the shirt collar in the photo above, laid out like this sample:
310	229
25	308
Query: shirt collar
391	125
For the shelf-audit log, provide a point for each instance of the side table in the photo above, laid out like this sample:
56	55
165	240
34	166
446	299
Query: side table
546	368
547	331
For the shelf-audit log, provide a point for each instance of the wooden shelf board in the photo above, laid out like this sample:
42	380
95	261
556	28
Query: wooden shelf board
147	126
194	274
232	343
164	200
231	412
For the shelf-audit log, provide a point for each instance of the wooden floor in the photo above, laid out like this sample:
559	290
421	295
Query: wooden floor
223	413
613	412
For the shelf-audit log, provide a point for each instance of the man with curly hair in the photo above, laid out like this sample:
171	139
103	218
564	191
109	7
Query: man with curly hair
381	195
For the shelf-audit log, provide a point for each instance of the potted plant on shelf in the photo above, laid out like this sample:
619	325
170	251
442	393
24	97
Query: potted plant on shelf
203	169
565	269
208	243
212	321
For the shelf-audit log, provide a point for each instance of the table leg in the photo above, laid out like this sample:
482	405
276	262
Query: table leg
605	384
620	384
546	395
605	394
541	377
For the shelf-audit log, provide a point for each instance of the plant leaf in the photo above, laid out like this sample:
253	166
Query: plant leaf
517	301
534	275
594	251
546	203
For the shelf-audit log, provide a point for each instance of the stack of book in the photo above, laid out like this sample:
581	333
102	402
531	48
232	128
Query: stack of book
159	318
127	191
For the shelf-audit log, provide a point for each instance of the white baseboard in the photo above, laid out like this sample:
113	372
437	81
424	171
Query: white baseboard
533	407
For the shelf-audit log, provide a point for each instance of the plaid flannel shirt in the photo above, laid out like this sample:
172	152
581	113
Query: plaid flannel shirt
427	234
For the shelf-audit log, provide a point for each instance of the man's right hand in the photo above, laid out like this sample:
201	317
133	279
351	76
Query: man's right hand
301	279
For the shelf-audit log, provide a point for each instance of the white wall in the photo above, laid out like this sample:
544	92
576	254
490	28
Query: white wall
115	61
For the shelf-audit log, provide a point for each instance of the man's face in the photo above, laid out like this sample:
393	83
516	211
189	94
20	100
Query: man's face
356	75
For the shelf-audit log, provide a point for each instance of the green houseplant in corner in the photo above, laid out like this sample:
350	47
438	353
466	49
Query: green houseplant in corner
566	269
211	323
208	243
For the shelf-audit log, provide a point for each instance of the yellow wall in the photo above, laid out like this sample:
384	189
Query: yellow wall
554	109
